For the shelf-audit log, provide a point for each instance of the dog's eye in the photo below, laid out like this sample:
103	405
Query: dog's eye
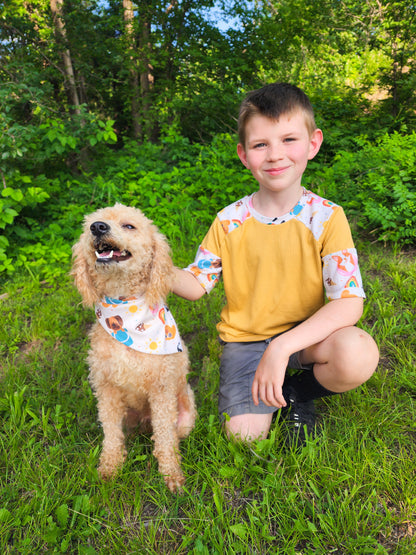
128	226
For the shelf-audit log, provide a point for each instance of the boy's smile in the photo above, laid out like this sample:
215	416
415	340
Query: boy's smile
277	152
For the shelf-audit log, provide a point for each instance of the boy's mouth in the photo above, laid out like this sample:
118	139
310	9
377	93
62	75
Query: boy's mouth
277	171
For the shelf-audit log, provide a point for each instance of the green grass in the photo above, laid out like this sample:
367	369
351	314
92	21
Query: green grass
353	491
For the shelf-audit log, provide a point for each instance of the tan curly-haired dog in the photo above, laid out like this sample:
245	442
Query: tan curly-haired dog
123	268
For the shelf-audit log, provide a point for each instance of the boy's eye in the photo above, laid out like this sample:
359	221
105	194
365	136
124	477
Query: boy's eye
260	145
289	139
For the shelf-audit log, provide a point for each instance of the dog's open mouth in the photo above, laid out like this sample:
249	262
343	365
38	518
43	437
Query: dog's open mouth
109	253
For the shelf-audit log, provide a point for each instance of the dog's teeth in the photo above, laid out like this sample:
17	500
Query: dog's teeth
104	254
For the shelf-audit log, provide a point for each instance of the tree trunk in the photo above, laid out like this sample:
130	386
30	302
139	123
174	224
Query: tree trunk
128	15
146	75
60	32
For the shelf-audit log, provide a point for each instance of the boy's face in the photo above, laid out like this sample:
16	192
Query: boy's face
277	152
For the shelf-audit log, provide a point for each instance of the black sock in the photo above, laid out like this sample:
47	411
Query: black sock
306	387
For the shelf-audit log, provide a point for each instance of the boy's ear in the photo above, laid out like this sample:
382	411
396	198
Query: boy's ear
242	154
315	143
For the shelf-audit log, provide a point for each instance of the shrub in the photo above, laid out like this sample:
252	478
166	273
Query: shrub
181	186
178	185
376	184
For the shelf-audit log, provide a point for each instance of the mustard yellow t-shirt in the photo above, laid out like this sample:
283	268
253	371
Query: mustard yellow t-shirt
276	271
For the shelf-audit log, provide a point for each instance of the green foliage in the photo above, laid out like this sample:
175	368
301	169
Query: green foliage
51	142
363	50
175	179
31	157
180	66
61	137
377	185
166	181
203	181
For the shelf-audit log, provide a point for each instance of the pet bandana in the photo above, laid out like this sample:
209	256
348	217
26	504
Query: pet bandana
149	329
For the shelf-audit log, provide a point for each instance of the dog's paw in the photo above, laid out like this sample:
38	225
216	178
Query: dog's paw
106	473
175	483
110	464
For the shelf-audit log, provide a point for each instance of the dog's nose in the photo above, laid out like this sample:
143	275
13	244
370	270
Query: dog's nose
99	228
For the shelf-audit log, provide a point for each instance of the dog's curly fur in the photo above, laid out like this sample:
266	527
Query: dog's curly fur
133	387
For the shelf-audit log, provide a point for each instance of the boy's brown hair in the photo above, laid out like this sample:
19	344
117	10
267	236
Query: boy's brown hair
272	101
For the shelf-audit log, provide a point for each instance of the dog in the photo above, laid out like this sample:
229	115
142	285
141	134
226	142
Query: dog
138	363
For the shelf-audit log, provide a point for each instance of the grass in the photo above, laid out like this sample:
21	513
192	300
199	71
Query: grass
353	491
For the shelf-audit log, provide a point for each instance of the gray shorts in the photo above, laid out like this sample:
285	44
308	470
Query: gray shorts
239	363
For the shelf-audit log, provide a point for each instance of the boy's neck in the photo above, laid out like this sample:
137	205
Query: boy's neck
276	204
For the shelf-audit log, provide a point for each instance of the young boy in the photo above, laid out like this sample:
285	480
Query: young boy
278	250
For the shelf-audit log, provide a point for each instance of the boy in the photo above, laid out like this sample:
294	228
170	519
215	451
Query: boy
277	250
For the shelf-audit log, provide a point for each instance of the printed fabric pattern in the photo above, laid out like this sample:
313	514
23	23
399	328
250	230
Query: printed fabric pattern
340	271
148	329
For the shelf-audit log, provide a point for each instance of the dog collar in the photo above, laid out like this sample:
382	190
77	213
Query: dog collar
148	329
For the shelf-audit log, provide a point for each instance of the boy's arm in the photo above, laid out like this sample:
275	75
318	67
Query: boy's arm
187	286
268	380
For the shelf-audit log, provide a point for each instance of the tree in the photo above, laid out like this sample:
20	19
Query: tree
154	64
365	50
60	32
396	37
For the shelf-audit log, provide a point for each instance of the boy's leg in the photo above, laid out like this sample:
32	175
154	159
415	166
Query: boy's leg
343	361
241	418
248	427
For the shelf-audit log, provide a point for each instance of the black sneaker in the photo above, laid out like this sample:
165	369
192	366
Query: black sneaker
300	419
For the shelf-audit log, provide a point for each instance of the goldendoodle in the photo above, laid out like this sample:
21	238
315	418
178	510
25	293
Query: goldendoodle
138	363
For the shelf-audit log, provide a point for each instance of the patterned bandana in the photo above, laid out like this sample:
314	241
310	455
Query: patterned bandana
148	329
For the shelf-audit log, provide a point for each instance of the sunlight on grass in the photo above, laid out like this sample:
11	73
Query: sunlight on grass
352	490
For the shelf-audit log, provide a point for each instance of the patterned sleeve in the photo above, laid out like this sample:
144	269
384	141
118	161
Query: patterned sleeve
341	275
206	268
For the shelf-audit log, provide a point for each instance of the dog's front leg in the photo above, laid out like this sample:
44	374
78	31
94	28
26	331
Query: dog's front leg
111	411
164	413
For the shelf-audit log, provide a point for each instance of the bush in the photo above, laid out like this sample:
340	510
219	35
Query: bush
181	186
376	184
178	185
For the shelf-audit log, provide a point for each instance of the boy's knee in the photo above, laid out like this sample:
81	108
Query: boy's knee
349	360
355	351
370	350
248	427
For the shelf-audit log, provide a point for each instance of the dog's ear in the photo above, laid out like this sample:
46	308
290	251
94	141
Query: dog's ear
81	274
161	273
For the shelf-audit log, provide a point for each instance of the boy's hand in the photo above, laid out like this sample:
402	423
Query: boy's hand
269	377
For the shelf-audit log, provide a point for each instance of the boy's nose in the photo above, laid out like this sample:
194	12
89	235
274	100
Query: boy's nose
274	152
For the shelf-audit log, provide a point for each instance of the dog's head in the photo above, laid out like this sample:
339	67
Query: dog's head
115	323
121	253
